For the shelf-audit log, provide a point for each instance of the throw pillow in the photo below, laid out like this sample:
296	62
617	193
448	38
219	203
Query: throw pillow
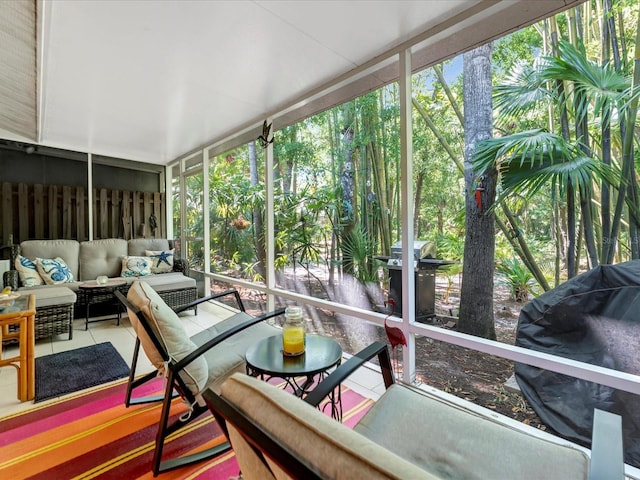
54	270
136	266
162	260
28	272
171	333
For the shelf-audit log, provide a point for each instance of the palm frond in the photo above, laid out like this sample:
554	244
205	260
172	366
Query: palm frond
529	160
521	91
530	146
592	84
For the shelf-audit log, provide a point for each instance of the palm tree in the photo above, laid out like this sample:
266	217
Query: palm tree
476	293
534	159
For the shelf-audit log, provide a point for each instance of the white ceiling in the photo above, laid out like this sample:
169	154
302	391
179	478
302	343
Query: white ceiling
150	80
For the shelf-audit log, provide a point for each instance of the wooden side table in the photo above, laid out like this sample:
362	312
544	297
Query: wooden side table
20	311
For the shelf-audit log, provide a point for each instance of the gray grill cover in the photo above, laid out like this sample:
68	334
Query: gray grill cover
593	318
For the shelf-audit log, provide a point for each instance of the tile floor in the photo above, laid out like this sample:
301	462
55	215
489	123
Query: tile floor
367	382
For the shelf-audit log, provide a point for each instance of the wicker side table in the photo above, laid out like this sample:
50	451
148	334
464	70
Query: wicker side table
95	292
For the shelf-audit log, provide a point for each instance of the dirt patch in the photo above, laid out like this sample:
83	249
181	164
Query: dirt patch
475	376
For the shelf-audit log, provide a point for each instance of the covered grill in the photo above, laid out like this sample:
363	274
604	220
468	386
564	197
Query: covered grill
424	266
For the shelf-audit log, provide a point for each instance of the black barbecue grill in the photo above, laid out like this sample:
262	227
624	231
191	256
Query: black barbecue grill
424	266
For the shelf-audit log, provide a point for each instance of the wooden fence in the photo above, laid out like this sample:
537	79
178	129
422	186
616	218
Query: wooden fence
54	211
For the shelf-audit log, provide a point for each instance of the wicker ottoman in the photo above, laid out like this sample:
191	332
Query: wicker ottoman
54	311
176	289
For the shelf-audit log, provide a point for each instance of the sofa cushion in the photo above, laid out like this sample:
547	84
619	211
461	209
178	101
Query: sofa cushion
68	250
28	272
101	257
169	329
136	266
74	286
49	297
54	270
311	435
138	246
170	281
162	260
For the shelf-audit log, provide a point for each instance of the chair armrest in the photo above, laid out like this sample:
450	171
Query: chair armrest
346	369
607	458
213	297
222	336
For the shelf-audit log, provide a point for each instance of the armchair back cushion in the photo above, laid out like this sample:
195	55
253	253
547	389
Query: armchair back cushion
332	449
68	250
101	257
54	271
28	272
168	328
161	260
138	246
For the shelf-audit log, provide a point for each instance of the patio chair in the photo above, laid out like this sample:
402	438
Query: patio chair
189	364
408	433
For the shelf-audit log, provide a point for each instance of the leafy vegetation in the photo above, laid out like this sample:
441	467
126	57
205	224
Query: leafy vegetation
564	144
517	278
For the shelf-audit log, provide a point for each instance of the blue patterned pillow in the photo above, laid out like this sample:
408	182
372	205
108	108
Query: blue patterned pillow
162	260
28	272
54	271
136	266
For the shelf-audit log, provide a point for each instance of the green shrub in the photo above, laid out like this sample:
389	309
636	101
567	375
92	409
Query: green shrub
517	277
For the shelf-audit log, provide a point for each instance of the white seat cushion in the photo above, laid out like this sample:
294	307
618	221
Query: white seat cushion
333	450
51	296
229	356
464	445
170	281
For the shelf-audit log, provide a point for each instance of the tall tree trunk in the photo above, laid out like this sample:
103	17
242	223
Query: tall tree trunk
383	191
556	229
582	134
331	122
416	203
347	183
628	154
628	121
564	125
605	195
476	294
572	268
375	198
519	245
258	227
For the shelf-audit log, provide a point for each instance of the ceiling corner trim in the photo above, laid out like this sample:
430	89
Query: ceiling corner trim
18	77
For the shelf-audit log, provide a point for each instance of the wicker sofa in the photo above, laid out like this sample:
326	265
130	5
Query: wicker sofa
56	304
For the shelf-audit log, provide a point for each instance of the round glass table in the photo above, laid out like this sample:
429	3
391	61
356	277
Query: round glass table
301	373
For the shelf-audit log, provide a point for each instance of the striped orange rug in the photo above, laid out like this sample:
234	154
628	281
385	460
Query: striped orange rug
92	435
